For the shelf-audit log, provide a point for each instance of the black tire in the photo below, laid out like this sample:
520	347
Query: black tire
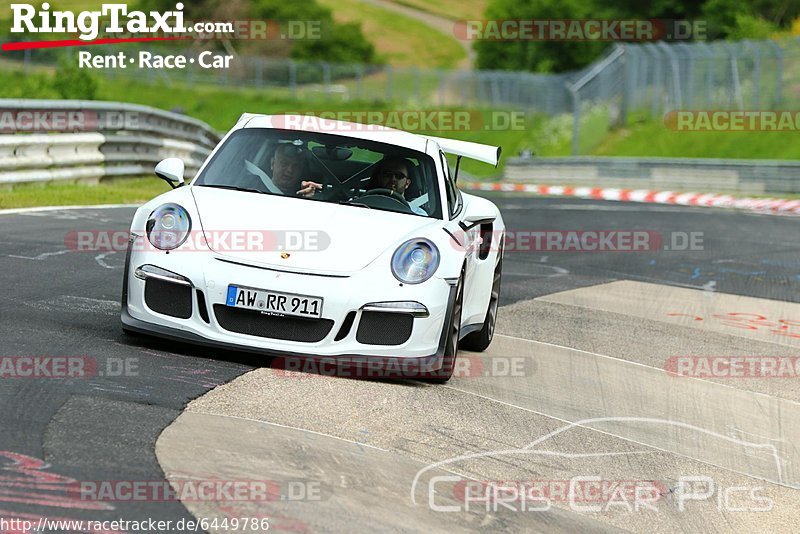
451	344
479	341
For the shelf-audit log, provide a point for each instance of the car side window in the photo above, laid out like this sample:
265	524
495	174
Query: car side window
451	191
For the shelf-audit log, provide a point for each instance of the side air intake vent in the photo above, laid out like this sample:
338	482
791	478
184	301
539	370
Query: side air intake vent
168	298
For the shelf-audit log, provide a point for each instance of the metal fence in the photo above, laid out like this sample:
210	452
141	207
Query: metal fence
652	79
629	80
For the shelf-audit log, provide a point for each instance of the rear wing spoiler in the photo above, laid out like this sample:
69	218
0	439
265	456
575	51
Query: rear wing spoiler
485	153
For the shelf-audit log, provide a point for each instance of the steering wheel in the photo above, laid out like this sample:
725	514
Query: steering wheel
388	193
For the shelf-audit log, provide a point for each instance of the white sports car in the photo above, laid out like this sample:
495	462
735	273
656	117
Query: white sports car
309	238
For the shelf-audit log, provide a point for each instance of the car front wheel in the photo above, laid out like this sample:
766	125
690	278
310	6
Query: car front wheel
479	341
452	333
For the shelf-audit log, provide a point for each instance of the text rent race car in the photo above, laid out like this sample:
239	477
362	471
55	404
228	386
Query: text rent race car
358	271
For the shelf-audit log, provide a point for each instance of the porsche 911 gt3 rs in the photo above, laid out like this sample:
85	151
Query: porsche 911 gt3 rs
320	239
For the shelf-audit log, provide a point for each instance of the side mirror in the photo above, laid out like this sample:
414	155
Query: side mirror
473	221
478	211
171	171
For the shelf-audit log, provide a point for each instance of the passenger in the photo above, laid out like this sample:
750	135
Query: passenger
288	167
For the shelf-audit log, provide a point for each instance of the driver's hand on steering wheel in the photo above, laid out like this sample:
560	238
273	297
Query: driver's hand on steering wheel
308	189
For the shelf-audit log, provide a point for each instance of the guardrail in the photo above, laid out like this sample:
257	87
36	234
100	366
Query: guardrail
676	174
93	140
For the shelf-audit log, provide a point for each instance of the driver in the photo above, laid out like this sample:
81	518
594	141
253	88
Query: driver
392	172
288	165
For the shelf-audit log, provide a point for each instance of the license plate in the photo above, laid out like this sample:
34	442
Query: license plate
273	302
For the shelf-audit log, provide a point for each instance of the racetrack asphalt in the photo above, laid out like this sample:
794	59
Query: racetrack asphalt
590	349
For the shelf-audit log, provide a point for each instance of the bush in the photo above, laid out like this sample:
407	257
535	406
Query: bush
338	43
539	56
341	43
72	82
751	27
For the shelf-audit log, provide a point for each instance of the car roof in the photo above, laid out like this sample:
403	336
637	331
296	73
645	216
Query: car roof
310	123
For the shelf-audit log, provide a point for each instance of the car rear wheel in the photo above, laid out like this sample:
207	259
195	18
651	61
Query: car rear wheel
479	341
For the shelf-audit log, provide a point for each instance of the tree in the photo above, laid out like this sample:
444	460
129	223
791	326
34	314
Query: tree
731	19
342	43
539	56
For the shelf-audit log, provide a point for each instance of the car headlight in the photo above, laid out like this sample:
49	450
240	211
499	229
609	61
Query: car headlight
168	226
415	261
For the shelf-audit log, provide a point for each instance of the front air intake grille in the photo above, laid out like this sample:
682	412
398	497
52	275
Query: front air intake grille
255	323
347	324
201	306
168	298
384	328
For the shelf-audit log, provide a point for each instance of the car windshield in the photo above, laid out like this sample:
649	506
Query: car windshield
349	171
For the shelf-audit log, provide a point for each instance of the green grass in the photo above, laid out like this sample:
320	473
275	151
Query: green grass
399	40
116	191
653	138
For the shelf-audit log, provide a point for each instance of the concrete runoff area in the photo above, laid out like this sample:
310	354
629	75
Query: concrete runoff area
322	482
557	414
754	318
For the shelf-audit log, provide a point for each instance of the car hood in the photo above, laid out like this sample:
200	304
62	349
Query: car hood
298	234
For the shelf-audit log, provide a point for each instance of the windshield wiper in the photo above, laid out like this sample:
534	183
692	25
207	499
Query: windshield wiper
235	188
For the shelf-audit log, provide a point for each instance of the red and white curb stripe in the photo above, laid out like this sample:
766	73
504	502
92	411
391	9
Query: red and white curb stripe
776	206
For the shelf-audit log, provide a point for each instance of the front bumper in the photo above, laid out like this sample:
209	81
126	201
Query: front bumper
342	296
